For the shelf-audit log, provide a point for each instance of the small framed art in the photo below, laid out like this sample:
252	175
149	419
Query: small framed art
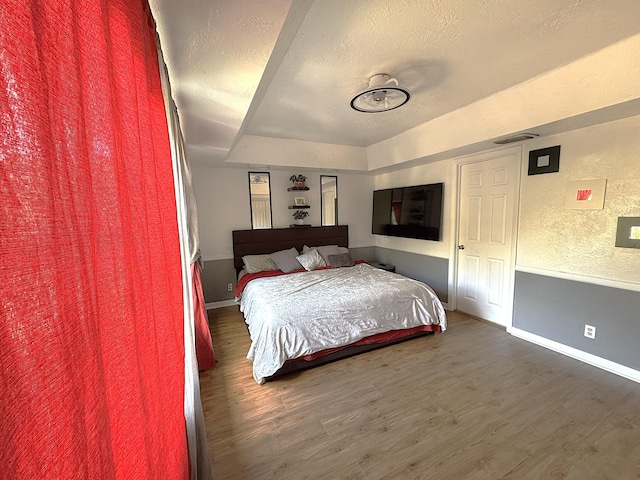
628	232
545	160
299	201
586	194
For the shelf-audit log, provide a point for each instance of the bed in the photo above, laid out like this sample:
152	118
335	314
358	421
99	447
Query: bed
299	318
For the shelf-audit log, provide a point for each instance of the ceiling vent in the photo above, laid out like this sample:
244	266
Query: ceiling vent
383	94
516	138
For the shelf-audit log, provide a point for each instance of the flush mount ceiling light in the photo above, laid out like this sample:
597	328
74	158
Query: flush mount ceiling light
383	94
516	138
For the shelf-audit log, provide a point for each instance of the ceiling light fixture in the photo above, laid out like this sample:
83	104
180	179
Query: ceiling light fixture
382	95
516	138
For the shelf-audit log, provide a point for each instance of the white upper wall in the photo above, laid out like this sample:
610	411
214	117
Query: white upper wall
223	205
280	152
582	242
551	238
554	239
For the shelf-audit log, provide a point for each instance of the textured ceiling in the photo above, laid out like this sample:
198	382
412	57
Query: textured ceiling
242	70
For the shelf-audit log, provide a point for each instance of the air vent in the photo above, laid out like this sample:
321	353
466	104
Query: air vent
516	138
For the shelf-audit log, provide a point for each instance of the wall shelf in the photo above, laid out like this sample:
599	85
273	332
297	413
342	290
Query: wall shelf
304	209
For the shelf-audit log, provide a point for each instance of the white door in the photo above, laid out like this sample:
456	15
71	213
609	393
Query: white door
486	237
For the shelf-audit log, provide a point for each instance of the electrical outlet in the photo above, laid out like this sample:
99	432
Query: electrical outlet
229	287
589	331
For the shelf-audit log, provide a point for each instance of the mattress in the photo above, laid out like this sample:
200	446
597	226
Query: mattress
298	314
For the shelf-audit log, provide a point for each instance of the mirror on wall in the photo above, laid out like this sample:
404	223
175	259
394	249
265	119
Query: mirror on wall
260	199
329	200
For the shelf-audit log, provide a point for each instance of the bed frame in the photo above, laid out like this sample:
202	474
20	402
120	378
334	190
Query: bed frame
256	242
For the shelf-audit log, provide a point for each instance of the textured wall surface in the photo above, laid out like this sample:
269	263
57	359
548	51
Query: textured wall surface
581	242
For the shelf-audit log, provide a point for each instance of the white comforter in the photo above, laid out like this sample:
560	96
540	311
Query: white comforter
298	314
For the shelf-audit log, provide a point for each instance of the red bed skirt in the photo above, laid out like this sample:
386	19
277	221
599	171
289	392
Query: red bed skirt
378	338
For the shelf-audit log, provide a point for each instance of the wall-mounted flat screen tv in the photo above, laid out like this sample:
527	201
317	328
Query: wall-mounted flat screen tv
412	212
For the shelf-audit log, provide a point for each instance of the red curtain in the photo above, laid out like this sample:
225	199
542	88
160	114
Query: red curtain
204	345
91	334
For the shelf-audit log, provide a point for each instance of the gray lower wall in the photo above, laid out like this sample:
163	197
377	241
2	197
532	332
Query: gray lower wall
215	277
558	310
368	254
433	271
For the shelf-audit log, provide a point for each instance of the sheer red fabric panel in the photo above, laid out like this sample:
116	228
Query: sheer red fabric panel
91	334
204	345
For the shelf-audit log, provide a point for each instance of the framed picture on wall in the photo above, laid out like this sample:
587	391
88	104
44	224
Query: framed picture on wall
299	201
628	232
545	160
586	194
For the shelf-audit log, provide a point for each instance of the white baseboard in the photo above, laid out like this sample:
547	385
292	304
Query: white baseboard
222	304
585	357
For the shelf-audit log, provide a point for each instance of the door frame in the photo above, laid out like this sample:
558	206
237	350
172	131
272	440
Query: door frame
456	165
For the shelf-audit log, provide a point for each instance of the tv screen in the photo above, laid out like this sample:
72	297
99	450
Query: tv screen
412	212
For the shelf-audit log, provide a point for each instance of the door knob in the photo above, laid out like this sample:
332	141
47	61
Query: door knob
460	247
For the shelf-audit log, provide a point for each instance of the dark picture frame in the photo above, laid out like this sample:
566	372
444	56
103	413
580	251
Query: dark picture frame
328	200
626	225
544	160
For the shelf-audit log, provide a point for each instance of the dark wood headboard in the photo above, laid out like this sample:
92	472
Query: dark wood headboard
256	242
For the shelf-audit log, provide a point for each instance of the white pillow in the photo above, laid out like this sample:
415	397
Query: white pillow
311	260
258	263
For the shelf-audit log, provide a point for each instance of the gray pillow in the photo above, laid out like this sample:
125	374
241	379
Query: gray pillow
327	250
341	260
286	260
258	263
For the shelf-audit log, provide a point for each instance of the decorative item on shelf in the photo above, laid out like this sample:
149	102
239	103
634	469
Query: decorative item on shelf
299	216
300	201
299	182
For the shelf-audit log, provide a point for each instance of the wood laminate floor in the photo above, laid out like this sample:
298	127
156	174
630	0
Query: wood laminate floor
470	403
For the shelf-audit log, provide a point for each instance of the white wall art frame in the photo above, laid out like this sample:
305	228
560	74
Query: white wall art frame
586	194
